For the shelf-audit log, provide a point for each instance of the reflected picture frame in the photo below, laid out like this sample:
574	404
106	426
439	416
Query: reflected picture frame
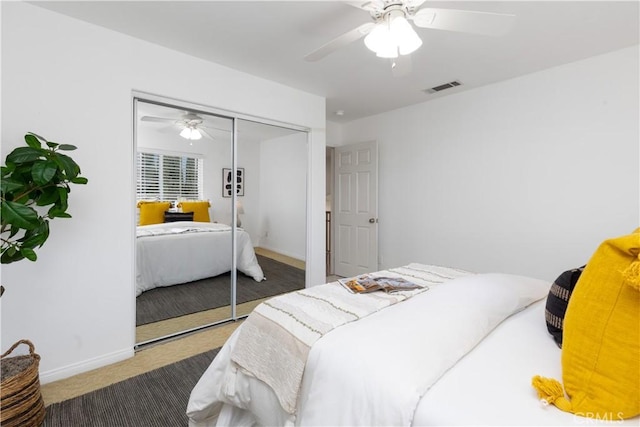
228	183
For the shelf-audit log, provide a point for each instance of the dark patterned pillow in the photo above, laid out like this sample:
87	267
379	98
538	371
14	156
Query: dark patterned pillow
178	216
557	302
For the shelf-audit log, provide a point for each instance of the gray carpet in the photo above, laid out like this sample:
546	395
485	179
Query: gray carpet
174	301
154	399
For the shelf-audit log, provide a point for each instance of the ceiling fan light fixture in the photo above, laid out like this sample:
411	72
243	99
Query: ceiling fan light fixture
380	41
389	51
378	38
393	35
190	134
405	36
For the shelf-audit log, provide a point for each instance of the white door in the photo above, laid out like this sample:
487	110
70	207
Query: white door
355	213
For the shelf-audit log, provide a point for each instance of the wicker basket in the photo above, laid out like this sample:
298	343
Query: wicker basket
22	403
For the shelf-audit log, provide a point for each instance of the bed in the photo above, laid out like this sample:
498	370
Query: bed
183	251
461	352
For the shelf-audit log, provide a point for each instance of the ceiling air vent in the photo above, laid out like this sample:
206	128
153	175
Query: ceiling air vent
443	87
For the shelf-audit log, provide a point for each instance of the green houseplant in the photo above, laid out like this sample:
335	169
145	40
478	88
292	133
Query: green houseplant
35	186
36	182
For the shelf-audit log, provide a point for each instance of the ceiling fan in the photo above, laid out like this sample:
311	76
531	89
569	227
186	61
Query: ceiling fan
390	35
191	125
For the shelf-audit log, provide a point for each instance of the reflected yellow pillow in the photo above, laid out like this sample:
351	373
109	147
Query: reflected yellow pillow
152	212
200	209
601	343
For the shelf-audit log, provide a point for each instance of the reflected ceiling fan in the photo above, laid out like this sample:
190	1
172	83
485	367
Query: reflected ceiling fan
391	35
191	125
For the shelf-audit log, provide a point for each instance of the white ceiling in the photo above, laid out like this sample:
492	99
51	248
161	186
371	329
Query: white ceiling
270	38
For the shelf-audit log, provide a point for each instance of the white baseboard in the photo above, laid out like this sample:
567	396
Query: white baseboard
84	366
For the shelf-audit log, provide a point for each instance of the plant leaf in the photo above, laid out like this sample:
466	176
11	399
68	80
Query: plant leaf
9	185
48	196
56	212
36	237
63	192
44	171
43	231
67	147
71	168
28	253
8	258
32	140
24	154
79	180
8	169
41	138
19	215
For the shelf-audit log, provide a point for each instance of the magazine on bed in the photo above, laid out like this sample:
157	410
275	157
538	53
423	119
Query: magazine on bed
367	283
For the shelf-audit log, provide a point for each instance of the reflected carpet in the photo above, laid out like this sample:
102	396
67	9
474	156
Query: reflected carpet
174	301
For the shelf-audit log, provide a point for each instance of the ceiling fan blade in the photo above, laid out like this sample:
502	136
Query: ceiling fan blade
466	21
156	119
211	128
337	43
205	133
171	129
414	4
401	66
374	6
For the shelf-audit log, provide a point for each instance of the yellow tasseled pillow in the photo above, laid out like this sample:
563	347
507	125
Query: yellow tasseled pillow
152	212
601	344
200	209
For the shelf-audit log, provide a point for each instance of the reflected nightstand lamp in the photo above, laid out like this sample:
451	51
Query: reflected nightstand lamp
239	210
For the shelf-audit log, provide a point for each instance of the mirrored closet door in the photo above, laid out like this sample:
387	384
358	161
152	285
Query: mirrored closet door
272	208
199	173
183	233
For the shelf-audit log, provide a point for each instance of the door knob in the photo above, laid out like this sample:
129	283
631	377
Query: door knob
372	220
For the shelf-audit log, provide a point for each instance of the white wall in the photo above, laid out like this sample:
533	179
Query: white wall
275	192
249	159
526	176
72	82
283	179
334	133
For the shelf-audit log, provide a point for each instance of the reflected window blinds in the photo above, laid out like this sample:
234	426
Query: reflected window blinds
166	177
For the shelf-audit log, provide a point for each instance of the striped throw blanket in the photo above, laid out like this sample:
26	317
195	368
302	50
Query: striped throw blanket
275	340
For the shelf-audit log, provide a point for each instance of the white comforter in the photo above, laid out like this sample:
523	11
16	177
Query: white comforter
373	371
180	252
491	386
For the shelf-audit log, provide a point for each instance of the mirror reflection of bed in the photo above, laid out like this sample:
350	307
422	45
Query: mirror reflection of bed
183	234
166	310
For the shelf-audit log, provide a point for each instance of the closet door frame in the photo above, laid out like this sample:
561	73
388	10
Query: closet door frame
234	116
